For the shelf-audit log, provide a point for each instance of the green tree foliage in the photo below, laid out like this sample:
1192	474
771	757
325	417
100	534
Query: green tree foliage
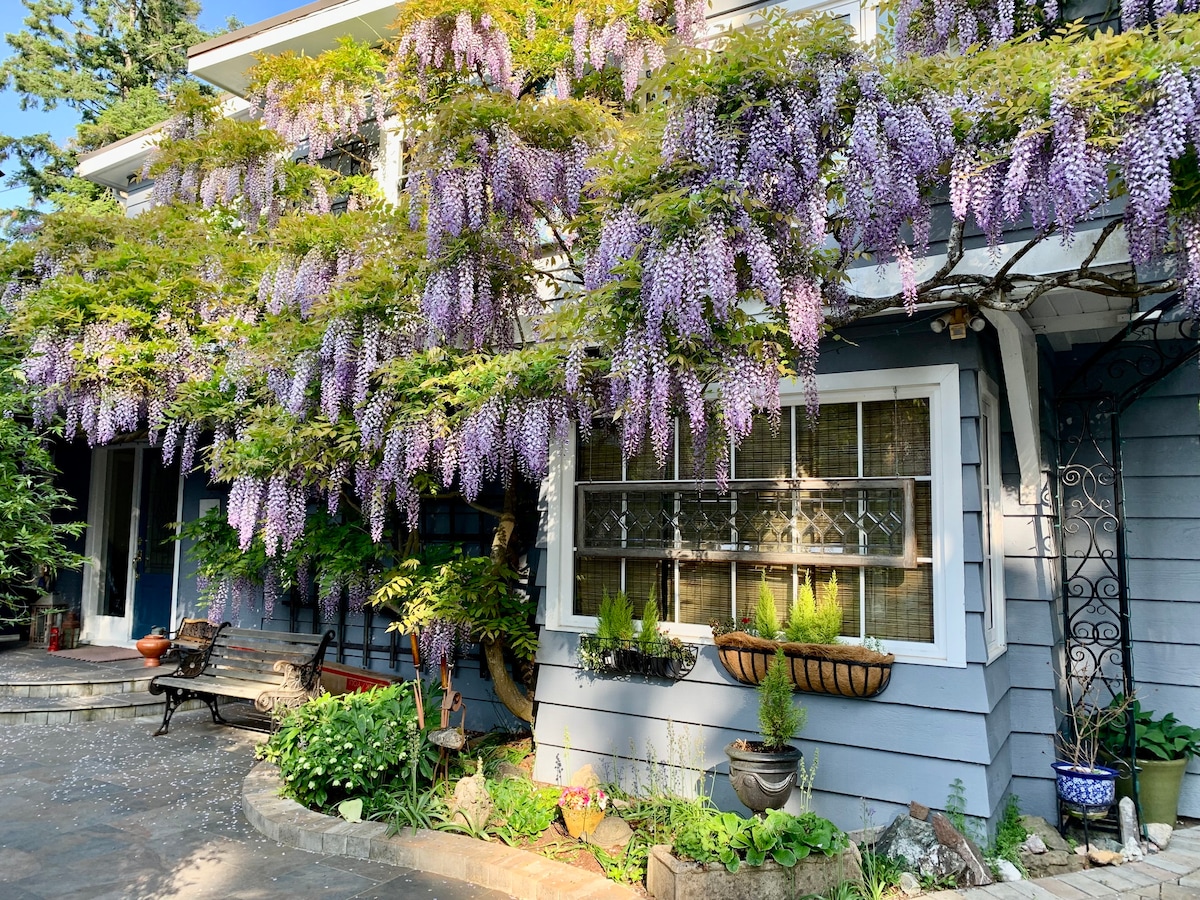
117	63
33	533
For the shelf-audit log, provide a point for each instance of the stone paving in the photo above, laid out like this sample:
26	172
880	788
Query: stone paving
1173	874
105	811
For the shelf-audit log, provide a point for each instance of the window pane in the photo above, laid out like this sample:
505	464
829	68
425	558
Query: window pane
896	437
830	448
900	604
765	453
764	520
923	512
705	592
849	590
599	459
644	467
592	578
749	577
640	576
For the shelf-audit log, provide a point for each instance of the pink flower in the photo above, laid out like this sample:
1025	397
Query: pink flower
582	798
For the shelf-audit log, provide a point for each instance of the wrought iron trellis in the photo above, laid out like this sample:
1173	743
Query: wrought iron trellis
1090	495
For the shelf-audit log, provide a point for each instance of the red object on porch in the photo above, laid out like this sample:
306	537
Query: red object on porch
52	644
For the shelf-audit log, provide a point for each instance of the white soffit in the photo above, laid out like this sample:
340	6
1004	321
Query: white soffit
119	164
309	30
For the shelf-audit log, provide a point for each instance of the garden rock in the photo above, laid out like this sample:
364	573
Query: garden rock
472	805
613	833
918	811
1052	862
1127	816
1047	832
910	884
585	776
977	871
1034	844
505	769
1159	834
912	840
1100	857
1132	851
1006	871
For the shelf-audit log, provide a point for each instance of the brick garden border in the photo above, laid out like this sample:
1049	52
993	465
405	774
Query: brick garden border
495	866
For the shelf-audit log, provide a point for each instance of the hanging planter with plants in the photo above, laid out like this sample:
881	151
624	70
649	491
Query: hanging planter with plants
816	663
616	648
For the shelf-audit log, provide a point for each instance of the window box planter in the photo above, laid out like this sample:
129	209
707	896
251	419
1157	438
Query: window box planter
672	661
845	670
671	878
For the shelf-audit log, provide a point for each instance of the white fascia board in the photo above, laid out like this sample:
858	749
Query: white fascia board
1048	258
226	63
120	164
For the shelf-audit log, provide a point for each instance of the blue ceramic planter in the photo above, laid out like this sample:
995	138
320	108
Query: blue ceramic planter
1089	790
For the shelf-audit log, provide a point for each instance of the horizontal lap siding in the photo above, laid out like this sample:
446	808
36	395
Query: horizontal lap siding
931	726
1033	635
1161	469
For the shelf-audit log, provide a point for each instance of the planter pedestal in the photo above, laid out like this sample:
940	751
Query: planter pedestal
668	878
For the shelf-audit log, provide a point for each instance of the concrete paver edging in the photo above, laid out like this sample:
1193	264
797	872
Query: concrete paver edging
499	867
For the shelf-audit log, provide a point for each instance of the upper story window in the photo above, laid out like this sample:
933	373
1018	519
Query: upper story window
871	491
861	16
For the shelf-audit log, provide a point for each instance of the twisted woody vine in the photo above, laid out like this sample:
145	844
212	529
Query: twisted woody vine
607	214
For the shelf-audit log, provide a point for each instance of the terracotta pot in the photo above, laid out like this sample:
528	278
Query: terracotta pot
582	822
152	646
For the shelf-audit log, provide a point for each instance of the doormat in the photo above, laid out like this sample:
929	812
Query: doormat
92	653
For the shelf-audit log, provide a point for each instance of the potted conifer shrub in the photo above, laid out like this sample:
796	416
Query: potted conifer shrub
763	773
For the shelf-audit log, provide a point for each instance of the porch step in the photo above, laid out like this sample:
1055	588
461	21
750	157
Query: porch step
96	686
74	709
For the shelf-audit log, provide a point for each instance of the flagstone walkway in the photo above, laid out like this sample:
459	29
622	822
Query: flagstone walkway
1173	874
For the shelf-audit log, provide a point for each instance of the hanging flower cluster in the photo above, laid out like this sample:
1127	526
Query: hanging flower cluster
442	641
594	42
462	43
927	27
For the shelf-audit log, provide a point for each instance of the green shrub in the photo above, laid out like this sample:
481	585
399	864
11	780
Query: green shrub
523	810
615	618
650	637
731	840
354	745
766	619
813	621
779	718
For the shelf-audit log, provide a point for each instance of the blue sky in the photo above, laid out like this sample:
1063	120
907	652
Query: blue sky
60	123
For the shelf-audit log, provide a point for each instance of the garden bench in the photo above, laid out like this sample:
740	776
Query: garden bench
189	643
267	668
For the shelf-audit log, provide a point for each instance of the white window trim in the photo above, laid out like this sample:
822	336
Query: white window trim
863	16
994	596
940	385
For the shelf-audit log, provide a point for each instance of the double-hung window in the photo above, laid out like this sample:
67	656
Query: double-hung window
870	491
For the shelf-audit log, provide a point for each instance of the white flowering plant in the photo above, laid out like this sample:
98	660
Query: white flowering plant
357	745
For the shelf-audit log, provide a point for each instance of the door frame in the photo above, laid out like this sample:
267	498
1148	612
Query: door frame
116	630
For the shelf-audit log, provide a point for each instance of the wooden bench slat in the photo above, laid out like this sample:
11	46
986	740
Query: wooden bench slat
271	637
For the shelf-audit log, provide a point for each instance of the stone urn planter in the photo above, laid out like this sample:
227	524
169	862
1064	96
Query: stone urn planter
762	779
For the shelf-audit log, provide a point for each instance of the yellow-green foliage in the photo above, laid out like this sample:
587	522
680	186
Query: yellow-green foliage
815	622
615	619
766	619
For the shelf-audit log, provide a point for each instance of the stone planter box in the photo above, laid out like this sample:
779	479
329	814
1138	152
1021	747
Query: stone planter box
668	878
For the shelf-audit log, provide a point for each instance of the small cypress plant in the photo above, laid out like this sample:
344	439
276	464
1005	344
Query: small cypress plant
615	618
779	717
766	619
650	638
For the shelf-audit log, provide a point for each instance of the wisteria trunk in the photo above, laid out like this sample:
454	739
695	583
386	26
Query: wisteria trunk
519	703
